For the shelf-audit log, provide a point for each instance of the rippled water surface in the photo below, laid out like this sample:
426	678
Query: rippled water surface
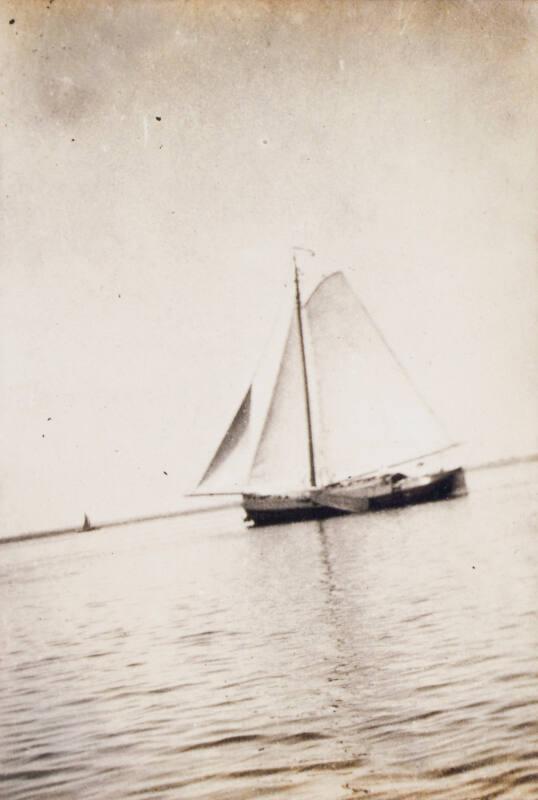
393	655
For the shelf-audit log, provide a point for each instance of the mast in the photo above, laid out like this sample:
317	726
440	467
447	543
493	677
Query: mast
311	460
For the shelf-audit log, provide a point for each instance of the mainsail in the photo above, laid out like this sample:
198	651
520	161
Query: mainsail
370	414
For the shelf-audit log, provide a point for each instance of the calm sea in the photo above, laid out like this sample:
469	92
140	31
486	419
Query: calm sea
393	655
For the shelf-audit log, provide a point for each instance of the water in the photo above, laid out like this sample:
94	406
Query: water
387	656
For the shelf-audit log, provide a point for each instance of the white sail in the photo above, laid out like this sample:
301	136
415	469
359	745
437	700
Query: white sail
229	465
281	459
370	415
228	470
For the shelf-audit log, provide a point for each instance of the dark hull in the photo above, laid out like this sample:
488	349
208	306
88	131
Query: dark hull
263	518
441	487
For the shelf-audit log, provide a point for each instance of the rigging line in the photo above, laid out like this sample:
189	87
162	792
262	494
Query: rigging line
267	340
276	322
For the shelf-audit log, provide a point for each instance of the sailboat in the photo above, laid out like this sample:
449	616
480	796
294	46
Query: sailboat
86	524
335	425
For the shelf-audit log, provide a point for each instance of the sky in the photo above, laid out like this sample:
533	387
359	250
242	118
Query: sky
160	159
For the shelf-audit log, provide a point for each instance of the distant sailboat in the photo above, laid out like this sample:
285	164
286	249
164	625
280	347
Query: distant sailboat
337	428
86	525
